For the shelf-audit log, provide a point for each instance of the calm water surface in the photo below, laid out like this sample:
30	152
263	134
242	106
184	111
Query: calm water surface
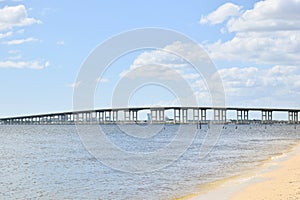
50	162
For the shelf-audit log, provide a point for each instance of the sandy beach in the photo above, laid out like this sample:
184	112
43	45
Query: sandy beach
280	183
278	178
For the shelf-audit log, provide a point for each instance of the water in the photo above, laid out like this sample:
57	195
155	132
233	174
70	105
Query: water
50	162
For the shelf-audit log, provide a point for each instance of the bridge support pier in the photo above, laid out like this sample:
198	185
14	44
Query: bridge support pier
196	115
75	118
101	117
203	115
157	115
176	115
115	116
184	114
107	116
130	115
293	117
266	116
219	116
242	116
199	115
161	115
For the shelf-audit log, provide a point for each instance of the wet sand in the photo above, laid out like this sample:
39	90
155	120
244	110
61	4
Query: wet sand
280	183
278	178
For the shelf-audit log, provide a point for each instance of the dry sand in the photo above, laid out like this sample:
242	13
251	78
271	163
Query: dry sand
280	183
277	179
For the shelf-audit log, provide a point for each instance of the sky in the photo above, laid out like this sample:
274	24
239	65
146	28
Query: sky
255	46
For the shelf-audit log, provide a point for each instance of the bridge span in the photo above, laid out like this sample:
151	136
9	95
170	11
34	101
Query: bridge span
180	115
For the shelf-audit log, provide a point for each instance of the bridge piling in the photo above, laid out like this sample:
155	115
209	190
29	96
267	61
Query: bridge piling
242	116
219	116
293	117
196	117
266	116
184	114
203	115
176	115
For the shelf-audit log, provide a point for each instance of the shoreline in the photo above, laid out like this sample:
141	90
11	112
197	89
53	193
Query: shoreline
249	184
281	181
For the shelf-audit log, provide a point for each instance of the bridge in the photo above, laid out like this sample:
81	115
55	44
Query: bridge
181	115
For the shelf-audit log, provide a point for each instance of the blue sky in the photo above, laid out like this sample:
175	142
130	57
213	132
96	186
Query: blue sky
255	45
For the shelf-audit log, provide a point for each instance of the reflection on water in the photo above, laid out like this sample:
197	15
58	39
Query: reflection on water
51	162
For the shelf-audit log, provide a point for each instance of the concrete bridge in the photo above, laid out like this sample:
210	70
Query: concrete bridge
182	115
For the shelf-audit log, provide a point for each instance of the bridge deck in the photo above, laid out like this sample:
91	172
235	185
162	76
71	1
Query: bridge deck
157	114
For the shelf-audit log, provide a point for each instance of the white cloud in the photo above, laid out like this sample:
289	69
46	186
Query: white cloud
259	47
221	14
10	18
74	85
15	16
164	64
272	87
15	57
167	57
277	86
60	43
7	34
152	71
268	15
21	31
267	34
191	76
239	77
24	64
102	80
14	51
20	41
251	86
164	67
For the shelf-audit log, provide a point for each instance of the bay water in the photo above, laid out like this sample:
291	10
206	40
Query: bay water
51	162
